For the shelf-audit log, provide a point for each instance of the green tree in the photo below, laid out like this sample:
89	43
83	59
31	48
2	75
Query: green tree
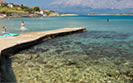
3	4
50	12
36	8
26	9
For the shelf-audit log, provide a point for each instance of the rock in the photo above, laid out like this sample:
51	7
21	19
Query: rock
48	66
31	56
78	43
41	50
109	81
30	81
71	62
28	57
58	51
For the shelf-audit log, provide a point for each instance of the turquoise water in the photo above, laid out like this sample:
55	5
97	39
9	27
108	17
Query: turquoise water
117	23
103	54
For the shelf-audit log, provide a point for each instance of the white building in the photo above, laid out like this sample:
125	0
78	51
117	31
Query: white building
42	12
10	5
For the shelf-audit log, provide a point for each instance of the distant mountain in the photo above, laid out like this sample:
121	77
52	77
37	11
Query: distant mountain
88	10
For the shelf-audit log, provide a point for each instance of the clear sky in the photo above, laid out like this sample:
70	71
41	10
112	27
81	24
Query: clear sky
80	5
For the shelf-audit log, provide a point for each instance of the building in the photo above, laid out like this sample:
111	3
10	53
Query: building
17	6
11	5
1	1
42	12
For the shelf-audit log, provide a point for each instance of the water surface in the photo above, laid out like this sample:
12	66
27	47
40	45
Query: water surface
102	54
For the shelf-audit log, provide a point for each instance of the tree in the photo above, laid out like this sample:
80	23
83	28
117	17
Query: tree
26	9
3	4
36	8
50	12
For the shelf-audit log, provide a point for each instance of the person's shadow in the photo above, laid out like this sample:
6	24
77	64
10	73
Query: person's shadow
6	72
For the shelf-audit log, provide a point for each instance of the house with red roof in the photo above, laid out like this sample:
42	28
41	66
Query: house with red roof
43	12
1	1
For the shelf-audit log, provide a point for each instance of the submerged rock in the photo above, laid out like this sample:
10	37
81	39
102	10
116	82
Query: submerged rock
71	62
59	51
67	60
31	56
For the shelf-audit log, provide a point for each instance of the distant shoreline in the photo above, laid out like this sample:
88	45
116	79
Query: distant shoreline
69	15
110	14
2	17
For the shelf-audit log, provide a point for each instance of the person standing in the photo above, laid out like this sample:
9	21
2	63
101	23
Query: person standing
22	26
108	20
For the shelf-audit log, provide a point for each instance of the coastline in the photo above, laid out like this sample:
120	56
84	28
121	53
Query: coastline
2	17
20	16
69	15
110	14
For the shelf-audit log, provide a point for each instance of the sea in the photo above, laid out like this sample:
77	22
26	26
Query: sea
103	54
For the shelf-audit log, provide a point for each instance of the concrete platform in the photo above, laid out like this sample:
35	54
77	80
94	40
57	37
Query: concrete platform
13	44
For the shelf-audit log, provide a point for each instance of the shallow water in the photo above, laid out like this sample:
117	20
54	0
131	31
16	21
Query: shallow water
92	23
102	54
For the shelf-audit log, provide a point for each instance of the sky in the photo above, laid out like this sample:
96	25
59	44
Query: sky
81	6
